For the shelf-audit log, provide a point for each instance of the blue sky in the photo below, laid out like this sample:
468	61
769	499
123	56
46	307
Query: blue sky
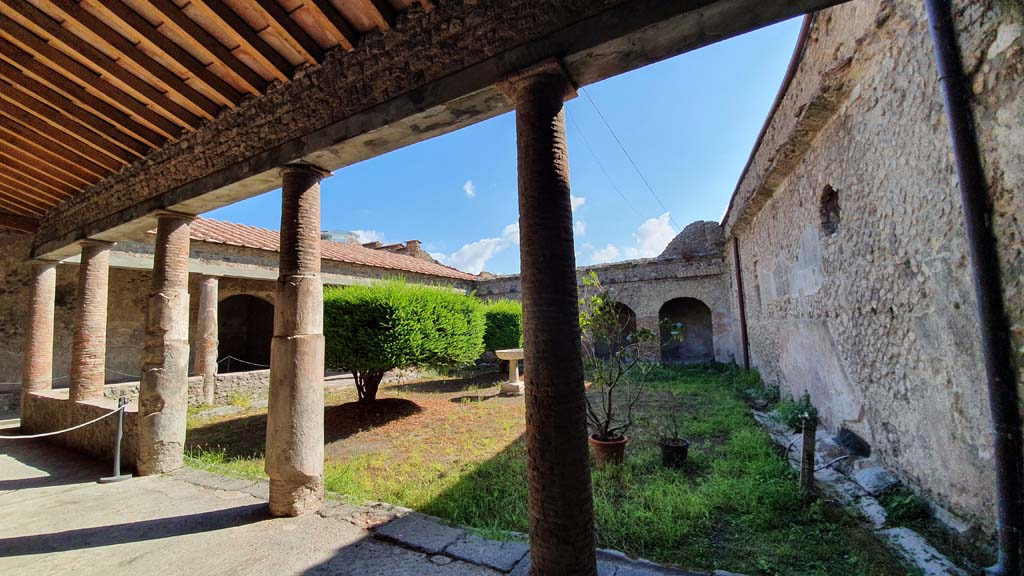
689	124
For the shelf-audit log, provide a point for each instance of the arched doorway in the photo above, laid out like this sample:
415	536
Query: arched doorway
697	345
245	328
626	322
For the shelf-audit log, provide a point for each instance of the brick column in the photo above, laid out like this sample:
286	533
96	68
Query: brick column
163	391
295	418
206	337
560	495
89	343
37	372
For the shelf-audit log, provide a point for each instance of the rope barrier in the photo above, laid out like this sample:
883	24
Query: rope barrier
45	434
242	361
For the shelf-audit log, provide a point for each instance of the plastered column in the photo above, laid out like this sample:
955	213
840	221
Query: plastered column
89	342
163	391
37	371
206	336
560	499
295	418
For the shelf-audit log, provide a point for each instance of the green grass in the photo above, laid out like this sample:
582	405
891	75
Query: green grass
736	506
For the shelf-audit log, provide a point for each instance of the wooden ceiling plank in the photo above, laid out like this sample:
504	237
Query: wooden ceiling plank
18	222
15	190
40	179
44	130
16	153
151	35
29	85
290	30
80	96
129	50
382	12
64	64
56	32
80	168
336	24
249	39
17	208
42	118
175	17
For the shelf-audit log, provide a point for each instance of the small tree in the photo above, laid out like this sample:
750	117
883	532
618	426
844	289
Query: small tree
372	329
504	320
617	359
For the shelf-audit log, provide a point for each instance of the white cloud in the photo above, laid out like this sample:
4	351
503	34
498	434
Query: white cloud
606	254
469	189
473	257
579	227
576	201
653	235
365	236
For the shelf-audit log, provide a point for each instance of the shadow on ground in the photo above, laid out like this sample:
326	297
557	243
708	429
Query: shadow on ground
451	385
72	468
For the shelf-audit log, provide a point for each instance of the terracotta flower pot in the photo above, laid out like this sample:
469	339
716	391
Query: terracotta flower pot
674	452
610	452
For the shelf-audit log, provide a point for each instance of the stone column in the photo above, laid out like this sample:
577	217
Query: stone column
206	337
295	417
560	499
651	350
37	372
163	391
89	343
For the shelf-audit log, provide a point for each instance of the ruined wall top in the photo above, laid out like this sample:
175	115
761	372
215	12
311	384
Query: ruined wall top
699	239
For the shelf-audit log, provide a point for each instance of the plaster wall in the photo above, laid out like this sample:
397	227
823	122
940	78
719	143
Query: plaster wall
877	321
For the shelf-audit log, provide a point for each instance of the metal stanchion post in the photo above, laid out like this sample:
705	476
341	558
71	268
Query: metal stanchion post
118	477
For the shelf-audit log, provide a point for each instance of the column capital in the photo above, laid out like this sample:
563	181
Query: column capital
160	214
305	168
40	264
547	70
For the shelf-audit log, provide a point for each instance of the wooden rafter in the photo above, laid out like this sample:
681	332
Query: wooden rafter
76	155
65	106
125	48
36	177
62	63
281	22
334	23
150	35
382	13
179	20
247	38
17	191
32	123
144	91
18	222
17	207
8	149
78	168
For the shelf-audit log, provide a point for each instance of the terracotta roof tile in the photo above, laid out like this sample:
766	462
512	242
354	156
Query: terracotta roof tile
220	232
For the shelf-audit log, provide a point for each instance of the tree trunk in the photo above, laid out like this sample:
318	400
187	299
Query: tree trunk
367	384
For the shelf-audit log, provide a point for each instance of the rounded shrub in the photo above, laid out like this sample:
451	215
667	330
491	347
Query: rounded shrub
372	329
504	319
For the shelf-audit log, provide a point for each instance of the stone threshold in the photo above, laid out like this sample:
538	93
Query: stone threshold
441	542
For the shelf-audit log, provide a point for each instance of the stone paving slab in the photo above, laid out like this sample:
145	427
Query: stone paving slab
501	556
420	532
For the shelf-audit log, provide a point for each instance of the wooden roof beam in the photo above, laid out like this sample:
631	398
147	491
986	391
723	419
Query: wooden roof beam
43	119
51	138
82	170
16	191
129	50
16	207
18	222
31	86
282	23
65	65
382	13
16	153
38	178
247	38
334	23
173	16
150	35
57	33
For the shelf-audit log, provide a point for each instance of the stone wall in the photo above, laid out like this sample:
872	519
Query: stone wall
854	263
254	385
646	285
51	411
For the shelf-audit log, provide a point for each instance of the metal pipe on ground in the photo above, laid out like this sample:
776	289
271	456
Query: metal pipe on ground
996	346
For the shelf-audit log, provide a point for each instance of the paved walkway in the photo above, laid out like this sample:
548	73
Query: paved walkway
58	520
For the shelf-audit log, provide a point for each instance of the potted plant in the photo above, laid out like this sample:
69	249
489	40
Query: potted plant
617	357
674	449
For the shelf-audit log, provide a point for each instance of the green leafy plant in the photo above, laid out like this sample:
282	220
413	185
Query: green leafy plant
504	324
372	329
796	414
903	507
618	358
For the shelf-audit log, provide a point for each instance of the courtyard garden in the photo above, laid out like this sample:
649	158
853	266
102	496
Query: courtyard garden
450	446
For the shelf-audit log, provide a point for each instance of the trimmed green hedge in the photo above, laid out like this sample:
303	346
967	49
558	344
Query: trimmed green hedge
504	320
372	329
